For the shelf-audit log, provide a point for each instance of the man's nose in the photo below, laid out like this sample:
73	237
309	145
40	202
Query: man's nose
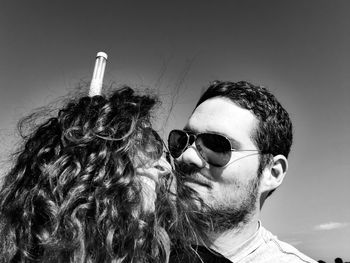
191	157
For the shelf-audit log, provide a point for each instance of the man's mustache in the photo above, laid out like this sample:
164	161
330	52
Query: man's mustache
190	173
185	170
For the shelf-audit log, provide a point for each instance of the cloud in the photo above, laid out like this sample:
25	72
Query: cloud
331	226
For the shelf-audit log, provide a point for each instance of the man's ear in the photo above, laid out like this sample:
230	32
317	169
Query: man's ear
274	173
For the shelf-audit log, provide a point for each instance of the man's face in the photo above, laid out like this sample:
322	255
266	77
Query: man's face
231	192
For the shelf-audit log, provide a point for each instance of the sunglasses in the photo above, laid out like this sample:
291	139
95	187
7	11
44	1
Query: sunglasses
215	149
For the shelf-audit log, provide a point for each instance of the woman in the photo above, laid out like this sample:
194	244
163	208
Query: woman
88	185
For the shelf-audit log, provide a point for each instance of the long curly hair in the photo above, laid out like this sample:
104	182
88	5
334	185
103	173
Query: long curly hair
73	194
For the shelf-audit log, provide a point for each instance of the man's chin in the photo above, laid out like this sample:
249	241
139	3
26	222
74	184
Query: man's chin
202	192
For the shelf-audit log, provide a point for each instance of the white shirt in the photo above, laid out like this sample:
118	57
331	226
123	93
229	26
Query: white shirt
264	247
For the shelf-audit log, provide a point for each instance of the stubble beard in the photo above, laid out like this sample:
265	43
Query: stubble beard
233	215
217	217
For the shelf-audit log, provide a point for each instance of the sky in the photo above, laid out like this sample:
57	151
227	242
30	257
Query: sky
300	50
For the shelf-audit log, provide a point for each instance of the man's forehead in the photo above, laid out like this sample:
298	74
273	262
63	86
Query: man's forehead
222	116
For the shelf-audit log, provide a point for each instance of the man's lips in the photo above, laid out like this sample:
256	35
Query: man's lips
195	179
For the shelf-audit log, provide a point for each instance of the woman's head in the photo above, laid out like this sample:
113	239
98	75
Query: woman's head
83	186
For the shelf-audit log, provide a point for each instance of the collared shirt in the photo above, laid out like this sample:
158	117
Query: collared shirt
262	247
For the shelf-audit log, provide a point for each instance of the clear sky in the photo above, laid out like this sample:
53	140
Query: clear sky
300	50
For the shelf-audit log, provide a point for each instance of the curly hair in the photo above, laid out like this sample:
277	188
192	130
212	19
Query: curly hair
73	194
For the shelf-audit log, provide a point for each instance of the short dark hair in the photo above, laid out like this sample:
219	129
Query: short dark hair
274	134
73	194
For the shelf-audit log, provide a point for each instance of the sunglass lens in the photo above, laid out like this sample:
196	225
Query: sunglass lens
215	142
177	142
214	148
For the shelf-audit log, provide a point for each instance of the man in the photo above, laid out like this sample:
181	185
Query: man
233	153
